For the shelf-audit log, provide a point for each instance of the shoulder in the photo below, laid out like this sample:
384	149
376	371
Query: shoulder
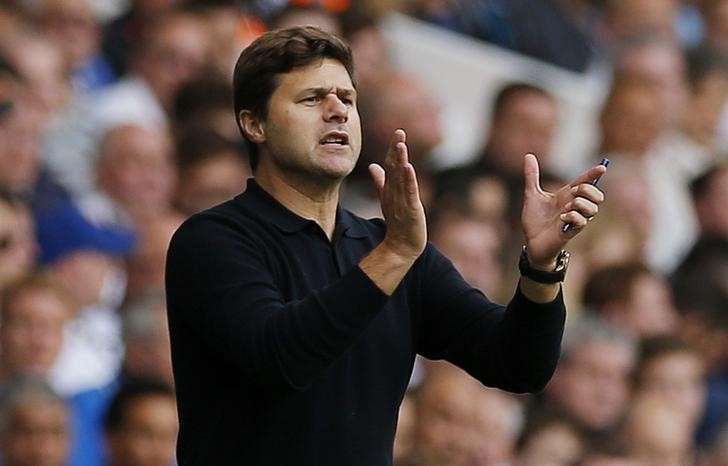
215	227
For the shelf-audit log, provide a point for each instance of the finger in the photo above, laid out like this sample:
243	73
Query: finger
411	185
531	173
378	176
399	136
584	206
594	173
589	192
575	219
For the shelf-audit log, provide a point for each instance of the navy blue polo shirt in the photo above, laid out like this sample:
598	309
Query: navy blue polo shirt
286	353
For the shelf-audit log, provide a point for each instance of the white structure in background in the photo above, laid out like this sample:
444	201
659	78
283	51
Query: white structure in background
464	74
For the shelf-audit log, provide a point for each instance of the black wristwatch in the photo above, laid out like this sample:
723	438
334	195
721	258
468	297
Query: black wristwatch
542	276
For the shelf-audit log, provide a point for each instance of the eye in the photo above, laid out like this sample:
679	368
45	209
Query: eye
348	100
314	99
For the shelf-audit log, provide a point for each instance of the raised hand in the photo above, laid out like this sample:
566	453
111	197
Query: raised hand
400	199
545	214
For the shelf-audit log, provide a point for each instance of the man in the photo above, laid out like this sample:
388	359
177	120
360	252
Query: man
592	385
524	120
294	324
35	427
141	425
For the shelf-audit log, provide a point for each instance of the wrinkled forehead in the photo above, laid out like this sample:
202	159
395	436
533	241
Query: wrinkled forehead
320	74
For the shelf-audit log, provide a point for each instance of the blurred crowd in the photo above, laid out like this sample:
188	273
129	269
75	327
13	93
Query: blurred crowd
116	124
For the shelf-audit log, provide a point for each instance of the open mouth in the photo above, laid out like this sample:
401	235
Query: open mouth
335	138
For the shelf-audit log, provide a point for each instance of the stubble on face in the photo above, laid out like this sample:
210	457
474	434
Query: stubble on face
310	103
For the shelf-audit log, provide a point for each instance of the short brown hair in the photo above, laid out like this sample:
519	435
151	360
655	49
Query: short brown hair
276	52
38	281
612	284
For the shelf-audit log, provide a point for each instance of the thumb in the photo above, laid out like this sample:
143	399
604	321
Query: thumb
531	174
378	177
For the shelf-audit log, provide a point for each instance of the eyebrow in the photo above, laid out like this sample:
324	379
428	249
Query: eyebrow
341	91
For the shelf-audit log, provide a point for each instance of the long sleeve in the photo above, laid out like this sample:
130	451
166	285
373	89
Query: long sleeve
222	289
515	348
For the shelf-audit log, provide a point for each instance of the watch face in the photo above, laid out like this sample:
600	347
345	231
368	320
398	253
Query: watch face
562	261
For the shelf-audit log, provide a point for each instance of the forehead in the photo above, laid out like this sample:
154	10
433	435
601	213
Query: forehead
327	73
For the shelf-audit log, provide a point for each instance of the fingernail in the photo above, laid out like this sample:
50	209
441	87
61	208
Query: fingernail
562	216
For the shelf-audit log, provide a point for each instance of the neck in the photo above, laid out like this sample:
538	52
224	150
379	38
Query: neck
306	197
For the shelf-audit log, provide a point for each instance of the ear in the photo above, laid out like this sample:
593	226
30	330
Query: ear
252	126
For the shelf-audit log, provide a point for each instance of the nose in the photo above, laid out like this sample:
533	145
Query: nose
335	109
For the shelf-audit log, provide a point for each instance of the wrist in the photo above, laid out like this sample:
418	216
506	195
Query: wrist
398	253
546	265
543	271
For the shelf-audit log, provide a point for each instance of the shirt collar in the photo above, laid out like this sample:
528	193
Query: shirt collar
267	207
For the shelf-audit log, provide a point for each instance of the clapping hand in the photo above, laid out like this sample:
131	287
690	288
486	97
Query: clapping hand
399	195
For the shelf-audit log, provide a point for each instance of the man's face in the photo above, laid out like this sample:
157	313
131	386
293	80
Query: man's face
680	378
37	435
527	123
137	170
175	55
211	182
592	385
313	127
149	433
32	331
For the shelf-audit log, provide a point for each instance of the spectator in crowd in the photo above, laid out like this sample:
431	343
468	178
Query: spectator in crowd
670	369
146	338
141	425
399	101
461	423
147	357
145	265
172	52
693	146
136	171
524	120
368	46
40	64
633	298
21	172
483	194
550	440
34	425
223	21
124	33
657	432
629	135
700	281
591	386
211	171
701	289
661	64
34	312
87	259
473	245
18	249
203	105
72	25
